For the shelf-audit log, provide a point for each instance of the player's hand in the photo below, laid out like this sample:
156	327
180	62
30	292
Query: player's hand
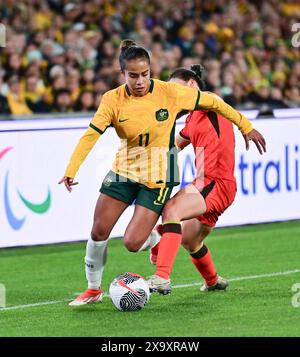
68	181
258	140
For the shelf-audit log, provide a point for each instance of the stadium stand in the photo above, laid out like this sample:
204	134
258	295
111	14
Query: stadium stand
61	56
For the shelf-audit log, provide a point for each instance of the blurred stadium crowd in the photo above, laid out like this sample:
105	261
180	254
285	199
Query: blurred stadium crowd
61	56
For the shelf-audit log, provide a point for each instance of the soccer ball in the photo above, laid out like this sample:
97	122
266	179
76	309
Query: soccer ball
129	292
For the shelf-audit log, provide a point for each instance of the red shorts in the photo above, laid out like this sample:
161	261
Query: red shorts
218	195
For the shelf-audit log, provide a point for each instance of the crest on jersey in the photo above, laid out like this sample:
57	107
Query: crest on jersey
162	114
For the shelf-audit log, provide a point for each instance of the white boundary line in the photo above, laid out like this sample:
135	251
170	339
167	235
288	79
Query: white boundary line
288	272
239	278
33	305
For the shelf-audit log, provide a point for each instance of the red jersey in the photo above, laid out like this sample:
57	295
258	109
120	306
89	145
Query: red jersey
215	135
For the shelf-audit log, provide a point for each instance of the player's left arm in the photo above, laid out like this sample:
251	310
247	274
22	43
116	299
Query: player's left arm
193	99
213	102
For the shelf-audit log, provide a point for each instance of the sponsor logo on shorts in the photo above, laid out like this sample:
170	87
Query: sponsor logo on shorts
107	181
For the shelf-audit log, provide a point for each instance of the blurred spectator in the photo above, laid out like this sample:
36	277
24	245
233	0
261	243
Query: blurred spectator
276	98
293	97
85	102
4	107
100	86
34	95
16	97
62	101
88	76
237	97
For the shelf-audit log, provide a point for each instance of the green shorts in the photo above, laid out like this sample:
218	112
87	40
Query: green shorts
128	191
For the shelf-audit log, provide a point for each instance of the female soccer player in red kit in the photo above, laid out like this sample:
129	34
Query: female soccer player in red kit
204	200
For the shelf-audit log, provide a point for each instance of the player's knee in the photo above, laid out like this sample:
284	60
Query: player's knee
194	241
205	231
131	244
99	233
170	210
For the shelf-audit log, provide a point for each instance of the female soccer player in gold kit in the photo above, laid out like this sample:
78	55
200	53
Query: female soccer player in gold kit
143	113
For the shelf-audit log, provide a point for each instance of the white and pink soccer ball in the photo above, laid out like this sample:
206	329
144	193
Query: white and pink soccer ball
129	292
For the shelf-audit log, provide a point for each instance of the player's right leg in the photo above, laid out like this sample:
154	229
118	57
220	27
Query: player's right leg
194	233
217	199
107	212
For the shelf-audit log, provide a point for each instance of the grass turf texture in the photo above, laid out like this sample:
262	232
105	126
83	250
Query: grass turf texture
262	306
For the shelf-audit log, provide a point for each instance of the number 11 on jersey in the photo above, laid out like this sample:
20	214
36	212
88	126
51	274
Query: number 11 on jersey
144	139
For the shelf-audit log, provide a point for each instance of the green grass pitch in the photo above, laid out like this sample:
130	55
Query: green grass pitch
262	263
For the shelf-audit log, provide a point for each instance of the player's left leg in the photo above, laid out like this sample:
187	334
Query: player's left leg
187	203
139	228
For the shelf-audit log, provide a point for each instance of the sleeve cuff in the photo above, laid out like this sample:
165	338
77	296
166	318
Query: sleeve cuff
183	136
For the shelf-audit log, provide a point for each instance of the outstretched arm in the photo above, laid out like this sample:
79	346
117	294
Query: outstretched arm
212	102
85	145
100	122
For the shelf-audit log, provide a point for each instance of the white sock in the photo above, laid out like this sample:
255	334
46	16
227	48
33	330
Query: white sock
151	241
95	259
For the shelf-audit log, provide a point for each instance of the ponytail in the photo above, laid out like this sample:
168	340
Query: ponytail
196	73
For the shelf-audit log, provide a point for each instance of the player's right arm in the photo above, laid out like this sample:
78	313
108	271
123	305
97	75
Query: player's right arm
102	120
85	145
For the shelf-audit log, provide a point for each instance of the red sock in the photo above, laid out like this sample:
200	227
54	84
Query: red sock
205	265
168	249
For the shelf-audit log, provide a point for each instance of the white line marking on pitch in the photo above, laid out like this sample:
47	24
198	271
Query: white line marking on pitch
33	305
288	272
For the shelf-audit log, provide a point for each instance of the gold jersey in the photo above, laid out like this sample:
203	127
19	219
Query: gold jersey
146	127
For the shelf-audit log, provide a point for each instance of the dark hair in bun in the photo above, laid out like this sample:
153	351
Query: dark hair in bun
196	73
130	51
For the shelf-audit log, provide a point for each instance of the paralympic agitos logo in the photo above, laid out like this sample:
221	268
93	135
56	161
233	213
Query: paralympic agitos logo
38	208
